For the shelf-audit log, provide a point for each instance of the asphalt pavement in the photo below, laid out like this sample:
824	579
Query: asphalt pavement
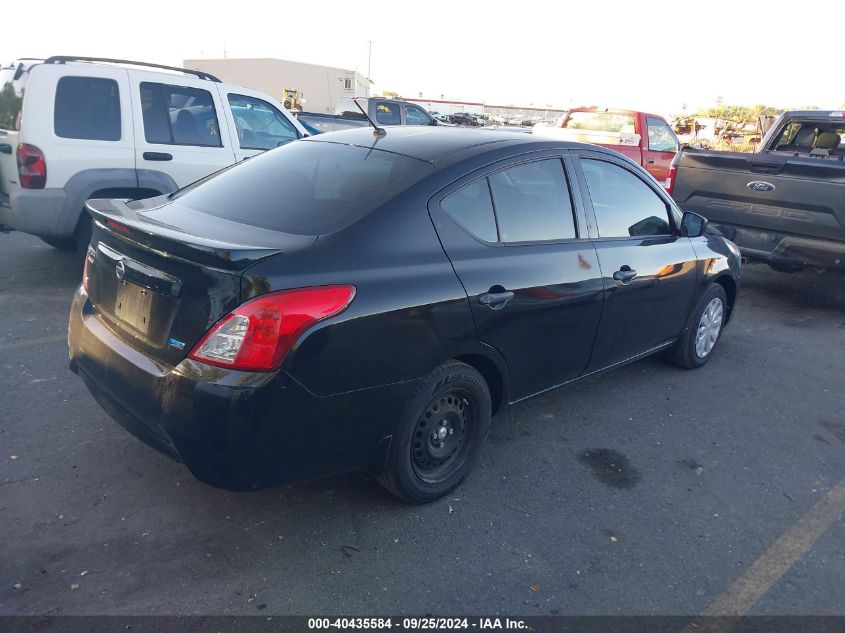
649	490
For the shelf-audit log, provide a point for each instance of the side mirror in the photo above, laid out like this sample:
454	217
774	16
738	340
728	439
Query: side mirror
434	121
693	224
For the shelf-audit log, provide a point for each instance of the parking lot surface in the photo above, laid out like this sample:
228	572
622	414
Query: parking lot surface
649	490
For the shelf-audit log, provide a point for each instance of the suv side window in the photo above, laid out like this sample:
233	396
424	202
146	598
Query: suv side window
259	125
472	208
179	115
87	108
660	137
624	205
387	113
532	202
416	116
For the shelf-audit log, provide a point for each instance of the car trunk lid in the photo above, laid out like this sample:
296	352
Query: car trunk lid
160	274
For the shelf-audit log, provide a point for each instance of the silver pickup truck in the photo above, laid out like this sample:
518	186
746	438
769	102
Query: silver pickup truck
382	111
783	205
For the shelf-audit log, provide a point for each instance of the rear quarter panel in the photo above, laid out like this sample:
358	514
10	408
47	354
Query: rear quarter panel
66	157
410	313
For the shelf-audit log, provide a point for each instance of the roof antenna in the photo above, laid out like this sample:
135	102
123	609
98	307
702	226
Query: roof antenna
378	132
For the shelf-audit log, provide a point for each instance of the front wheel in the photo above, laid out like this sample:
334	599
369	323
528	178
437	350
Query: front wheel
439	435
704	328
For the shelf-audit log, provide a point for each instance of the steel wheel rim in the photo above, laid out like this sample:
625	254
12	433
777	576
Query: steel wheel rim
442	436
709	327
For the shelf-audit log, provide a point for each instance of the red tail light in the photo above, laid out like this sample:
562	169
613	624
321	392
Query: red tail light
32	168
257	334
670	179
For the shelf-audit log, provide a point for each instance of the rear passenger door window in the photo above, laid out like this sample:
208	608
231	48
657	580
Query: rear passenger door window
87	108
179	115
624	205
524	203
532	202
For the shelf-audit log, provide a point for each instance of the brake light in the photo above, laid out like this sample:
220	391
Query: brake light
32	168
670	179
258	334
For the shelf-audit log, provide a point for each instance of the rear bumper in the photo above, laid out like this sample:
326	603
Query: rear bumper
36	211
232	429
785	249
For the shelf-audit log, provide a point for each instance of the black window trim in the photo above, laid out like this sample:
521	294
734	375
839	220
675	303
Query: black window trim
76	138
499	167
269	105
588	201
220	144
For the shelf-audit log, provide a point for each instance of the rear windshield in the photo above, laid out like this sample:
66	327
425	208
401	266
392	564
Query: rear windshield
11	98
601	122
305	187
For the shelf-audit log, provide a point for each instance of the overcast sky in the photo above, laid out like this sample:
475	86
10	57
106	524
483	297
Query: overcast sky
647	55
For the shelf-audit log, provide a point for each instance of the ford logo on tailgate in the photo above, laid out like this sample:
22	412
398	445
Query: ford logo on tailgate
760	185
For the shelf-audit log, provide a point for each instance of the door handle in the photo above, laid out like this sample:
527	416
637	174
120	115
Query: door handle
157	156
651	161
495	300
6	148
625	275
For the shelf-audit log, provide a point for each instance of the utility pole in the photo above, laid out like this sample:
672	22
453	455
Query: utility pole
369	59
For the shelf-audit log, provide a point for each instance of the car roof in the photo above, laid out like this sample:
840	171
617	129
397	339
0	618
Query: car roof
432	144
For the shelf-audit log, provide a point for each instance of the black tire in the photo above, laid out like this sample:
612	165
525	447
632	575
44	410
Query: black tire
82	234
78	241
452	405
67	244
685	353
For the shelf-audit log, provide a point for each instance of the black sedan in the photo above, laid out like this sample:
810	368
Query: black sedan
369	301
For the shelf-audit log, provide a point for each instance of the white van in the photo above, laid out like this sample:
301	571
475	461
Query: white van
74	128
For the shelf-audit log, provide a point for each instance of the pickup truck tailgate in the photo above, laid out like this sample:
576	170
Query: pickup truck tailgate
776	192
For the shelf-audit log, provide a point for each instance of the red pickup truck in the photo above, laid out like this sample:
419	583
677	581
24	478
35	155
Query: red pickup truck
645	138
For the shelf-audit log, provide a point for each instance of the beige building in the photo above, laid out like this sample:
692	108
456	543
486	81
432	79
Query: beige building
320	87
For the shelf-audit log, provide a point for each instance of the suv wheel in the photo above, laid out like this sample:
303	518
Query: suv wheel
440	434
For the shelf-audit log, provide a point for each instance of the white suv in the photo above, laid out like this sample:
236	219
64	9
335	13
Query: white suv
74	128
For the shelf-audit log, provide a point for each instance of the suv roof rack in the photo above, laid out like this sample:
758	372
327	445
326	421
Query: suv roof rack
61	59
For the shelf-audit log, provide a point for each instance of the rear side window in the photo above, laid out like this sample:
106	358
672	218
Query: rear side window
624	205
304	187
87	108
532	202
387	113
179	115
472	208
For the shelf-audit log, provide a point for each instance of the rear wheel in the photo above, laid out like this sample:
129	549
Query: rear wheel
703	329
78	241
67	244
440	434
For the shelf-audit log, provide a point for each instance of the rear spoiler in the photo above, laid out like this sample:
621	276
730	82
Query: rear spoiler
115	217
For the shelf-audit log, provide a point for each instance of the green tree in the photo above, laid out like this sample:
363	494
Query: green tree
10	106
